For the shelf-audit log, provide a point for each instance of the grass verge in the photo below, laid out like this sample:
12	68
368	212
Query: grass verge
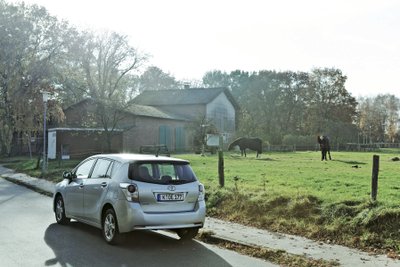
364	225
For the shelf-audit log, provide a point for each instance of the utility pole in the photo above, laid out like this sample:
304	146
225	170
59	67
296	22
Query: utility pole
44	163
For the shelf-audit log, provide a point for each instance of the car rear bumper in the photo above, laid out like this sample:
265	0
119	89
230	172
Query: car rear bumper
131	217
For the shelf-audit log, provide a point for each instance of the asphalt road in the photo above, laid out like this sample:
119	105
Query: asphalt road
29	236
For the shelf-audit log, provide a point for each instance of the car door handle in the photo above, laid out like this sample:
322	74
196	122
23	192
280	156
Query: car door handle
103	184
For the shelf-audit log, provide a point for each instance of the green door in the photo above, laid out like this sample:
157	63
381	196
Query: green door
165	136
179	139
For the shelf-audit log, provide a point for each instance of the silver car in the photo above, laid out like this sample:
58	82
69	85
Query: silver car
119	193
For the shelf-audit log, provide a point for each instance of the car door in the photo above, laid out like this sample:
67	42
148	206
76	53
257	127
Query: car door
74	190
95	189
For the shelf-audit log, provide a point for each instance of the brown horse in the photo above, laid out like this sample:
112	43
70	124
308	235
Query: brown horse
324	147
250	143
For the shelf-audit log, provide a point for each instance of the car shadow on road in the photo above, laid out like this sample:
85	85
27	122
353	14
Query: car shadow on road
77	244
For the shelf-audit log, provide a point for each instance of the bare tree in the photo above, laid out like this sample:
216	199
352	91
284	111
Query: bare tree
393	106
108	62
379	117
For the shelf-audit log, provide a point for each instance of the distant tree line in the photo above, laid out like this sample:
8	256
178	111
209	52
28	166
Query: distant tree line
40	53
292	108
278	106
378	119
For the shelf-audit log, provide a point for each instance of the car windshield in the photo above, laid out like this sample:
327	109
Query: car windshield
162	172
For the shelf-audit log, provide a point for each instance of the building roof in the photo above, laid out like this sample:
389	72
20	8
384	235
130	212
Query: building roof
190	96
76	129
148	111
138	110
150	103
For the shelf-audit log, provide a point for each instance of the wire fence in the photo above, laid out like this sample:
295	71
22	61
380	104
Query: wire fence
334	147
33	149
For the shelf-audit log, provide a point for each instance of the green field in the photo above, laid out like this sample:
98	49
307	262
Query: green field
298	193
346	178
295	193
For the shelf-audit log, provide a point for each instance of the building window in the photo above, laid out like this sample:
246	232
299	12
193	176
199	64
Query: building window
221	119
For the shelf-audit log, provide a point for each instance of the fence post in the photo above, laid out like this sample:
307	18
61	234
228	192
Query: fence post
221	175
375	172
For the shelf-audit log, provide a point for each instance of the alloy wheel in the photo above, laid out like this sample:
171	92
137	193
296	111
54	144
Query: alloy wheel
109	227
59	209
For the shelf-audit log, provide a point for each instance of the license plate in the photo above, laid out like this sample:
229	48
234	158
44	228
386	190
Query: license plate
171	197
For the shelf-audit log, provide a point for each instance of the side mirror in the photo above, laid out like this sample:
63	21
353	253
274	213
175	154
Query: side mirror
68	175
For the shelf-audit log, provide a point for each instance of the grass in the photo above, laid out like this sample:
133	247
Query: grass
296	193
29	166
346	178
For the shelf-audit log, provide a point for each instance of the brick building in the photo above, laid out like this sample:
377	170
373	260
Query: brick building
155	117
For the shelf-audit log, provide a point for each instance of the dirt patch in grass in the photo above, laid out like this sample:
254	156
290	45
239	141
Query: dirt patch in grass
265	159
352	162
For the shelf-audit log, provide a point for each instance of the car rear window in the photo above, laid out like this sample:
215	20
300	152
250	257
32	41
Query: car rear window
162	172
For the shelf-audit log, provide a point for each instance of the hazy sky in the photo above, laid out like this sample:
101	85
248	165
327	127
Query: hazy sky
187	38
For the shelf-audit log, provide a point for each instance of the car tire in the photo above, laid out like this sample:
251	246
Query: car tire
110	227
60	211
187	233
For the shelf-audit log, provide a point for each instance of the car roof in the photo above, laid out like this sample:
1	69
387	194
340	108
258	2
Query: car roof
130	157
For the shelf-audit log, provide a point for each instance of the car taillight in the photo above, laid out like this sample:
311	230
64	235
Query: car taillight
202	192
131	191
131	188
